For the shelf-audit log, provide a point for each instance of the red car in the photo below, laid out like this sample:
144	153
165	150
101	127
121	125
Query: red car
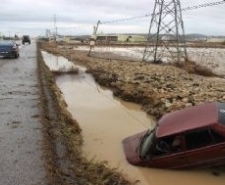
192	137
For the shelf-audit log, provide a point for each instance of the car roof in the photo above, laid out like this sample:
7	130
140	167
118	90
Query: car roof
199	116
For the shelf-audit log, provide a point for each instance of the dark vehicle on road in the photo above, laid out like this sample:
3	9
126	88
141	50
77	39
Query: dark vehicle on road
26	38
192	137
9	48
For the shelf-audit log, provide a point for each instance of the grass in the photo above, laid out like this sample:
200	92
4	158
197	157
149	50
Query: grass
66	70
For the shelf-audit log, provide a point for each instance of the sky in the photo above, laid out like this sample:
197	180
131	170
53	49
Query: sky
77	17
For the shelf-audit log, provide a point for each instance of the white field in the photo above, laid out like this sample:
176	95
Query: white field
212	58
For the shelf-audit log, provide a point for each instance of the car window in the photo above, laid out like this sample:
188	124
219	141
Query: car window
202	138
168	145
176	144
217	138
221	113
6	42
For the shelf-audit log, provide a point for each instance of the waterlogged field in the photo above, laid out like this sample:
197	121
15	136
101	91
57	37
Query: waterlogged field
212	58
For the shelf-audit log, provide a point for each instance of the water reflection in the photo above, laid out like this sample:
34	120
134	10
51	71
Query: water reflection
59	63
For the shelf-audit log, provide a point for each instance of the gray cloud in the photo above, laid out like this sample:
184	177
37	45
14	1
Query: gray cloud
27	15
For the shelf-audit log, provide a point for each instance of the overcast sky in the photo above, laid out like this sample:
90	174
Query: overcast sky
77	17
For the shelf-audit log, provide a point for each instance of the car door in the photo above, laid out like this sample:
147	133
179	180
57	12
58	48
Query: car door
170	156
205	148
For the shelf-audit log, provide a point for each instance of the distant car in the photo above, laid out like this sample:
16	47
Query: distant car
26	39
188	138
9	48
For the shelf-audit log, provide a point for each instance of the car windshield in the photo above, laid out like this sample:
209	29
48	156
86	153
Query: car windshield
146	144
5	42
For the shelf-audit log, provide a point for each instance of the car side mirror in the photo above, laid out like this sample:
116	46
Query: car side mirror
18	44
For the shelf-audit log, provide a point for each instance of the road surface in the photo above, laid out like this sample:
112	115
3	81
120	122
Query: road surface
21	161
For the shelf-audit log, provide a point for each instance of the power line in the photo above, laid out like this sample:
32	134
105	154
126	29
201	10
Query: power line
126	19
183	9
204	5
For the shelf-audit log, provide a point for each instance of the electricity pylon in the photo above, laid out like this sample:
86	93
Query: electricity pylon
166	37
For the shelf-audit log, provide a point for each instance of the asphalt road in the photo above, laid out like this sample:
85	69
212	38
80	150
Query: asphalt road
21	161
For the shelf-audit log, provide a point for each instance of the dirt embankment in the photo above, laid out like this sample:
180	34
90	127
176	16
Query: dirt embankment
159	88
64	161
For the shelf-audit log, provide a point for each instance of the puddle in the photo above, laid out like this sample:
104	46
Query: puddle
59	63
105	121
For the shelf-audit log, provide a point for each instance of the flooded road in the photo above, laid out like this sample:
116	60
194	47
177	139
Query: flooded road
106	121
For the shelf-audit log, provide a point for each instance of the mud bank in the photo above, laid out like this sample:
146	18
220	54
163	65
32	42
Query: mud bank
159	89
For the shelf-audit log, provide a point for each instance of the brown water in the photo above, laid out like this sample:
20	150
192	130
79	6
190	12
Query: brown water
106	121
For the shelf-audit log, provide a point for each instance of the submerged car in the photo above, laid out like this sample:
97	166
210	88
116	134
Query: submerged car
188	138
9	48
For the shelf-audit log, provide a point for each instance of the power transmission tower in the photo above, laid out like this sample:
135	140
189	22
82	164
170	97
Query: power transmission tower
166	37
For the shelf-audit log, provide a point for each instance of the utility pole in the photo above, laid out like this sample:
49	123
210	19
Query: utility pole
166	37
93	38
55	28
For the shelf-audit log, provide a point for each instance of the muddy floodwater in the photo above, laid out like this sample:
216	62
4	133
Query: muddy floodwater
106	121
